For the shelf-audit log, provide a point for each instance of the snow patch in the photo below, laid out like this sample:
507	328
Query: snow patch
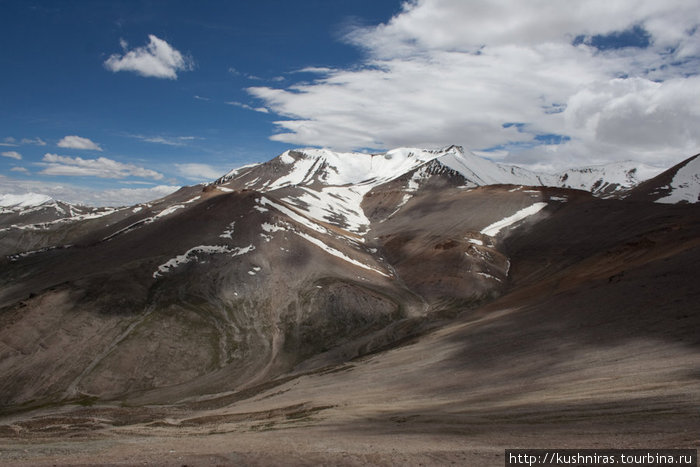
493	229
339	254
190	255
194	253
293	215
168	211
227	233
489	276
238	251
685	185
285	158
272	227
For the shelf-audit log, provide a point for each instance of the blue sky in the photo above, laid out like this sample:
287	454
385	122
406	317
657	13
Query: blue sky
110	102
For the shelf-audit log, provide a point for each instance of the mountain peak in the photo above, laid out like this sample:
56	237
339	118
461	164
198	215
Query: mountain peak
27	200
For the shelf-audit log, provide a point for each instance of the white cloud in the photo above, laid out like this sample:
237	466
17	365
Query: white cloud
12	155
167	140
101	167
248	107
157	59
124	196
34	141
78	142
450	71
10	141
199	172
19	169
80	195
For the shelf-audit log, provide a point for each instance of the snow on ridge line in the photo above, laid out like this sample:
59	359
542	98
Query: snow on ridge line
23	201
361	168
347	177
493	229
234	172
355	168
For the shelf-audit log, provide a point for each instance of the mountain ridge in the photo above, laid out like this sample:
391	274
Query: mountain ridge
395	297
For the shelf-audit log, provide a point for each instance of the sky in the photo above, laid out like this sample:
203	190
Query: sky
109	102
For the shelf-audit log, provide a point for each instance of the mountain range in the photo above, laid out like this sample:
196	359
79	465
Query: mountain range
415	292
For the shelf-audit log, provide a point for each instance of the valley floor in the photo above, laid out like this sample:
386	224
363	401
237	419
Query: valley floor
447	398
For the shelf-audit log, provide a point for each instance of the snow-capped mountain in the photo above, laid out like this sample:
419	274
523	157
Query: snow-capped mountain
309	166
306	261
330	187
679	184
609	180
35	207
685	185
35	221
16	202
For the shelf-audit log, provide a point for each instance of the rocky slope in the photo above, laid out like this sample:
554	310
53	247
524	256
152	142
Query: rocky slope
378	290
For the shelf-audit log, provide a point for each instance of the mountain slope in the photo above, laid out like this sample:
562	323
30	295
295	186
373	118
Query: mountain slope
412	292
270	272
679	184
237	328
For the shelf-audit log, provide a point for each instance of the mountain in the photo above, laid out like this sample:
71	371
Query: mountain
679	184
34	221
610	180
427	303
331	186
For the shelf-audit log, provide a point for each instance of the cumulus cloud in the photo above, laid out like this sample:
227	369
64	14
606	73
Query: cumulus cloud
78	142
199	172
157	59
19	169
12	155
101	167
606	80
